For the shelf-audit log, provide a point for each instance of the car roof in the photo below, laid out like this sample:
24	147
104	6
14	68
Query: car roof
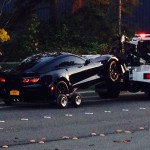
47	55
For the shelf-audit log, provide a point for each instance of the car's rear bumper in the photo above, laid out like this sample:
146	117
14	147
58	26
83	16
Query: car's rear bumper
34	93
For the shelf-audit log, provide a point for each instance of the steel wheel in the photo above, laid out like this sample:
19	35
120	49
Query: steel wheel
76	99
62	101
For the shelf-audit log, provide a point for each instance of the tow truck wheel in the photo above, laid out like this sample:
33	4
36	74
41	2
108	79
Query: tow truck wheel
62	101
76	99
147	92
107	90
109	94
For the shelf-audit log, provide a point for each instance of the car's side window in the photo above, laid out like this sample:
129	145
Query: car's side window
63	62
70	61
73	60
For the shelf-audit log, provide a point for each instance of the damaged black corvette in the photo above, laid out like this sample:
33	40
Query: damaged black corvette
55	77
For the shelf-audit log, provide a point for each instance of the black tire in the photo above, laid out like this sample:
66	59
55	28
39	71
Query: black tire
108	90
110	87
62	101
76	99
113	71
147	92
61	88
109	94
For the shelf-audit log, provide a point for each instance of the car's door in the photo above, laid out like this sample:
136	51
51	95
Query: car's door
82	72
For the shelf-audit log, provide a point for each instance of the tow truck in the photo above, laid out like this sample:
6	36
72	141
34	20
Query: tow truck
135	57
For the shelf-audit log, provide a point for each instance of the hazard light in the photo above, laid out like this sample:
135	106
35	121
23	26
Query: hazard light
146	75
142	35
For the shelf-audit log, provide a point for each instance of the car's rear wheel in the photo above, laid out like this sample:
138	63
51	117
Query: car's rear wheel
61	92
62	101
61	88
76	99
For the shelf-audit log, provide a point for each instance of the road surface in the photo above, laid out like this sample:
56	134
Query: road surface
117	124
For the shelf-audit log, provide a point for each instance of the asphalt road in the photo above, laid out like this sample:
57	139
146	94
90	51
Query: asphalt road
116	124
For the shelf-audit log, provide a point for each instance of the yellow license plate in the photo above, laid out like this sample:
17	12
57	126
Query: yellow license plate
14	92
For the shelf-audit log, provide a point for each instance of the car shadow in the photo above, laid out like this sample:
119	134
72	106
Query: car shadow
127	98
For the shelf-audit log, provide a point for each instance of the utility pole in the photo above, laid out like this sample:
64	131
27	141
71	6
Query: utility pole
120	17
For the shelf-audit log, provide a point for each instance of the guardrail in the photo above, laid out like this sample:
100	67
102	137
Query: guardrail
7	65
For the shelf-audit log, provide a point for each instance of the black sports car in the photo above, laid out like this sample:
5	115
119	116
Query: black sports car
55	77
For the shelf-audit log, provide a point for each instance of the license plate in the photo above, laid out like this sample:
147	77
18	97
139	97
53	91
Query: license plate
14	92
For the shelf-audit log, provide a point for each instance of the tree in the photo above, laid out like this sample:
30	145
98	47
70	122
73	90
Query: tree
4	35
24	9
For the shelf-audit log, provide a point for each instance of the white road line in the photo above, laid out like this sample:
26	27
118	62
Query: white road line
88	113
2	121
107	111
125	109
141	108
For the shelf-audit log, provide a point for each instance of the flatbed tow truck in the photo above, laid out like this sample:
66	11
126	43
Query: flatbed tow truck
135	57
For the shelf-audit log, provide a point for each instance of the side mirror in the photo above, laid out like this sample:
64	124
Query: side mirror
87	62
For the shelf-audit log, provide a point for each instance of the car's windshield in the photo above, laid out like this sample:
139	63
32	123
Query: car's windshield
143	46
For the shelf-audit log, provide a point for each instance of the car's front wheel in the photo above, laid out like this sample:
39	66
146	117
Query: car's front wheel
113	71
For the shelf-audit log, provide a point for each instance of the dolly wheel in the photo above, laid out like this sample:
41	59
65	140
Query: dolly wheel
62	101
76	99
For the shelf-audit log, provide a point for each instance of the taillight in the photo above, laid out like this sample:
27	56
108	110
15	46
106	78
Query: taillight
2	80
146	75
25	80
31	80
34	80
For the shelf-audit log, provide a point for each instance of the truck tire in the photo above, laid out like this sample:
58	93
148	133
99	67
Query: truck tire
109	93
108	90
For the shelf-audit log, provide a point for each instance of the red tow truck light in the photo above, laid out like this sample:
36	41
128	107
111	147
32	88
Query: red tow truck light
146	75
2	80
142	35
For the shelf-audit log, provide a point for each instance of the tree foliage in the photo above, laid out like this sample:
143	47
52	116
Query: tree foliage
90	27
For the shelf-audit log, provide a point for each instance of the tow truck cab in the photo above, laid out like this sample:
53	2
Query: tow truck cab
136	58
139	73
